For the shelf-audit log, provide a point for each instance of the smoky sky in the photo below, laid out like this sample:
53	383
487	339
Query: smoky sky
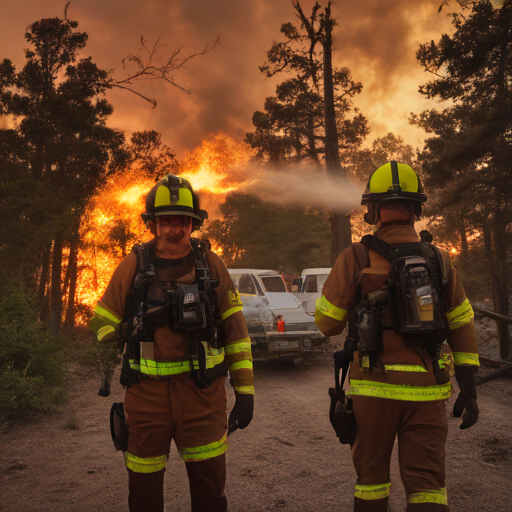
376	39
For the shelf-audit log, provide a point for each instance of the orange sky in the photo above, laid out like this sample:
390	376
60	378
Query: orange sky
376	39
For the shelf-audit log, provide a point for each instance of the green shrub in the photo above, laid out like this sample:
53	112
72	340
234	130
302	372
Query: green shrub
32	366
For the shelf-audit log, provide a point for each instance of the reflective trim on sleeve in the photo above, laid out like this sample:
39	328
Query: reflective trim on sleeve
372	492
104	332
460	316
244	390
437	496
240	365
330	310
231	311
103	316
207	451
145	465
399	391
107	314
466	358
243	345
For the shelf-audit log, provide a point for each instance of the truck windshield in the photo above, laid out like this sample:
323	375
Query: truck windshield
314	283
274	284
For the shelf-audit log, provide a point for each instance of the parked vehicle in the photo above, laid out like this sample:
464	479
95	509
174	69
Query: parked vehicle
264	297
310	287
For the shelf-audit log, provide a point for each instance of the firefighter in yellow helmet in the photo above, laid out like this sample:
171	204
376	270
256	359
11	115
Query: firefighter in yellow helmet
402	299
173	307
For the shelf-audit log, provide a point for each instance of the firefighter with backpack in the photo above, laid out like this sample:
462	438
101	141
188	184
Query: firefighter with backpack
401	299
172	306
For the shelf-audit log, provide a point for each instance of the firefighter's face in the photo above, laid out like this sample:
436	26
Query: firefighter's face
174	231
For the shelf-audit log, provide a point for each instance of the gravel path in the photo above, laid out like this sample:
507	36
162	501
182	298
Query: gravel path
288	458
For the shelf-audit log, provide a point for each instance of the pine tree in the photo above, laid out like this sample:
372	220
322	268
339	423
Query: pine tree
467	159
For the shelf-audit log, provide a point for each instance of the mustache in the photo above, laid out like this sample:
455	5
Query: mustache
174	238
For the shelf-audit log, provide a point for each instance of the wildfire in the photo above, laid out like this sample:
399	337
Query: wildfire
216	166
112	224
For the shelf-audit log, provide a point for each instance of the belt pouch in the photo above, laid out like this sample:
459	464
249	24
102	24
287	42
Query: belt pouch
118	426
342	417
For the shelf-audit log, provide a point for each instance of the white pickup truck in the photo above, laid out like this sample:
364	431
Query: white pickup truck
264	297
310	289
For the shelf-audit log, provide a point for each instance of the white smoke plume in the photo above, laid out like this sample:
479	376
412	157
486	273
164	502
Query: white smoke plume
304	186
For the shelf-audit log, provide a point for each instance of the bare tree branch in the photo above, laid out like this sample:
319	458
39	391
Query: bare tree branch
152	65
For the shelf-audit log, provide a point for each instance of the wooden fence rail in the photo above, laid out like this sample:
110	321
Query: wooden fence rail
506	368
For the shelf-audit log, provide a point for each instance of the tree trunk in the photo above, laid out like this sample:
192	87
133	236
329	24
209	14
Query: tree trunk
341	235
340	223
73	267
494	239
41	291
56	297
312	150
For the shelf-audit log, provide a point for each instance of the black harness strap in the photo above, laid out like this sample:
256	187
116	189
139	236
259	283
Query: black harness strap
380	247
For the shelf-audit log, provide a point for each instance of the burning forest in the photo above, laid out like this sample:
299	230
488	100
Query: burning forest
286	152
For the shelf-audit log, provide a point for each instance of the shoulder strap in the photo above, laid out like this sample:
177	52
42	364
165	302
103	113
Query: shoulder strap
199	247
361	260
203	273
146	271
440	259
380	247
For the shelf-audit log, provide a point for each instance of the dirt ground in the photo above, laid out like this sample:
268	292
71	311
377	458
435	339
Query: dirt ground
288	458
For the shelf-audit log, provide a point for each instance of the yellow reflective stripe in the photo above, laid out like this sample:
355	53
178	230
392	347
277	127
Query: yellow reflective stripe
466	358
145	465
244	390
404	368
438	496
243	345
399	391
330	310
231	311
372	492
207	451
150	367
104	332
460	316
246	364
446	360
396	367
107	314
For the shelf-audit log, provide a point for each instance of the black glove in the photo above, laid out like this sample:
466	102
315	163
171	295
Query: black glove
241	415
467	396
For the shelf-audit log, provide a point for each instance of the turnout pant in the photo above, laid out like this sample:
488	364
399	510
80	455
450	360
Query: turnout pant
156	413
421	429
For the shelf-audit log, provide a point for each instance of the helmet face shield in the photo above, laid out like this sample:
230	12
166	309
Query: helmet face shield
179	220
173	195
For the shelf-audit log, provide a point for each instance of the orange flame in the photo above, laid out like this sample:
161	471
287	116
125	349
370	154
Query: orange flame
112	224
216	166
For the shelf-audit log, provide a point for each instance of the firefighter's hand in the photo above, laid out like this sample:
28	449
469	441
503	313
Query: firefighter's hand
467	396
241	415
470	417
